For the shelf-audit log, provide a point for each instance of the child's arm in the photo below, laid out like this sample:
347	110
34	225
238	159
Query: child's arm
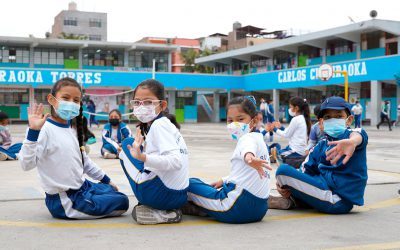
108	139
169	159
33	146
285	132
93	171
248	149
346	147
126	132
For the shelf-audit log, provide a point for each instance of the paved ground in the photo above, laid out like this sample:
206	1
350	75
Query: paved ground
26	224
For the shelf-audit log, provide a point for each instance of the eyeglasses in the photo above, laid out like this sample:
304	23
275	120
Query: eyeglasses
146	103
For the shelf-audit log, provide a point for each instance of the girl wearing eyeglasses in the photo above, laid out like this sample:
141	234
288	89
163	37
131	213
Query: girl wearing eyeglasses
155	161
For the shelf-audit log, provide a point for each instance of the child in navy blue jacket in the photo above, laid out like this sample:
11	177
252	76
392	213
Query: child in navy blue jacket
114	132
334	176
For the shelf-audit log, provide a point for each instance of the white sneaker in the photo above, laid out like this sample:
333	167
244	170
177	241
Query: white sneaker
3	156
108	155
149	216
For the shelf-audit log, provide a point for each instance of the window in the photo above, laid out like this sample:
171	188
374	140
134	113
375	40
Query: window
71	21
95	22
14	96
99	57
95	37
11	54
48	56
143	60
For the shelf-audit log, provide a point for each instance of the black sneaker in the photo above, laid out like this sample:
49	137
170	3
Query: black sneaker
150	216
191	209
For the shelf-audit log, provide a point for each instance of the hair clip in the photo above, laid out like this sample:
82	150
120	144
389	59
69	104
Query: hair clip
252	99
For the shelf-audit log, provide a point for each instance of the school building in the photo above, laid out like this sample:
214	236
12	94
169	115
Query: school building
279	69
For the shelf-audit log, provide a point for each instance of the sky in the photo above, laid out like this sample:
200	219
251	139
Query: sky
130	20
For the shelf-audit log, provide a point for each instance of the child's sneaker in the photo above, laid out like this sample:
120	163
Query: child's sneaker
149	216
191	209
3	156
108	155
279	202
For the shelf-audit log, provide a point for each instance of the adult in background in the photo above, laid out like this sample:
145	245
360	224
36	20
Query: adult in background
385	112
264	108
357	110
91	108
270	112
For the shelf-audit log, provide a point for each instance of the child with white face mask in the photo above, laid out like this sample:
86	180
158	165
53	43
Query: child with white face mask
242	196
297	132
57	151
334	176
155	161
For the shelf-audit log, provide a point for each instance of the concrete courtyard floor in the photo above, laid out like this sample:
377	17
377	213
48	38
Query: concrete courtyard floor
25	222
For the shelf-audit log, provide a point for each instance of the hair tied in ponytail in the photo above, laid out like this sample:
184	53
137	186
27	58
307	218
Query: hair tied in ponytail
252	99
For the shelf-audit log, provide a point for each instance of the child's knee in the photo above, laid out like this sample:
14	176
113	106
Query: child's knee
284	169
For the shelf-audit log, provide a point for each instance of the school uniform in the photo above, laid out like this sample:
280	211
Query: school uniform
162	181
112	137
315	136
296	132
243	196
332	189
54	151
6	147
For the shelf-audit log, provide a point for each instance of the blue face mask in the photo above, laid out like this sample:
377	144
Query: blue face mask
67	110
334	127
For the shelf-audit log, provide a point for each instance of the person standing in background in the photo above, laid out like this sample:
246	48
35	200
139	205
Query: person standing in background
357	110
385	115
91	107
264	108
270	111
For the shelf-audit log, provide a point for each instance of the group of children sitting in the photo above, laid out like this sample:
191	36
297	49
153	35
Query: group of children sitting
155	160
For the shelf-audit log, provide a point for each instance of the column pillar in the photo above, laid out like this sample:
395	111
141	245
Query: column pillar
169	62
216	117
275	100
398	101
358	51
126	58
323	55
398	48
171	101
80	57
31	57
376	100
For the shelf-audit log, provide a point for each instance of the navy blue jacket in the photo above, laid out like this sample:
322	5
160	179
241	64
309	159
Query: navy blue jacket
347	180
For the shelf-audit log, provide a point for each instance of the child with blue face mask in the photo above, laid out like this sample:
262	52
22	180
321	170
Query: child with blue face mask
57	151
334	176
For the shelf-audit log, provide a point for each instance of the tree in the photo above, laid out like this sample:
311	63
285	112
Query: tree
189	57
71	36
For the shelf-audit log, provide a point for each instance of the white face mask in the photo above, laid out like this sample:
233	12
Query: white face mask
238	129
145	114
291	113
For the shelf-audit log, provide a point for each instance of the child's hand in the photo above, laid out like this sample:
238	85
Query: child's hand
135	148
269	127
285	192
277	124
217	184
257	163
35	116
113	186
343	147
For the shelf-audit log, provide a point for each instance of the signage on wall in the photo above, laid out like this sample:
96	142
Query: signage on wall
299	75
37	77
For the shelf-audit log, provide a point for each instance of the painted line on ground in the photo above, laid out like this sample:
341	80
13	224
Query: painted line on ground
199	222
381	246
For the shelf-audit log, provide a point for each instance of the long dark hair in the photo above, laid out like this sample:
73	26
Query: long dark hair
63	82
157	89
304	109
116	111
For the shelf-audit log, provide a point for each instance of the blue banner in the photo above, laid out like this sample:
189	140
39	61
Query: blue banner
381	68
